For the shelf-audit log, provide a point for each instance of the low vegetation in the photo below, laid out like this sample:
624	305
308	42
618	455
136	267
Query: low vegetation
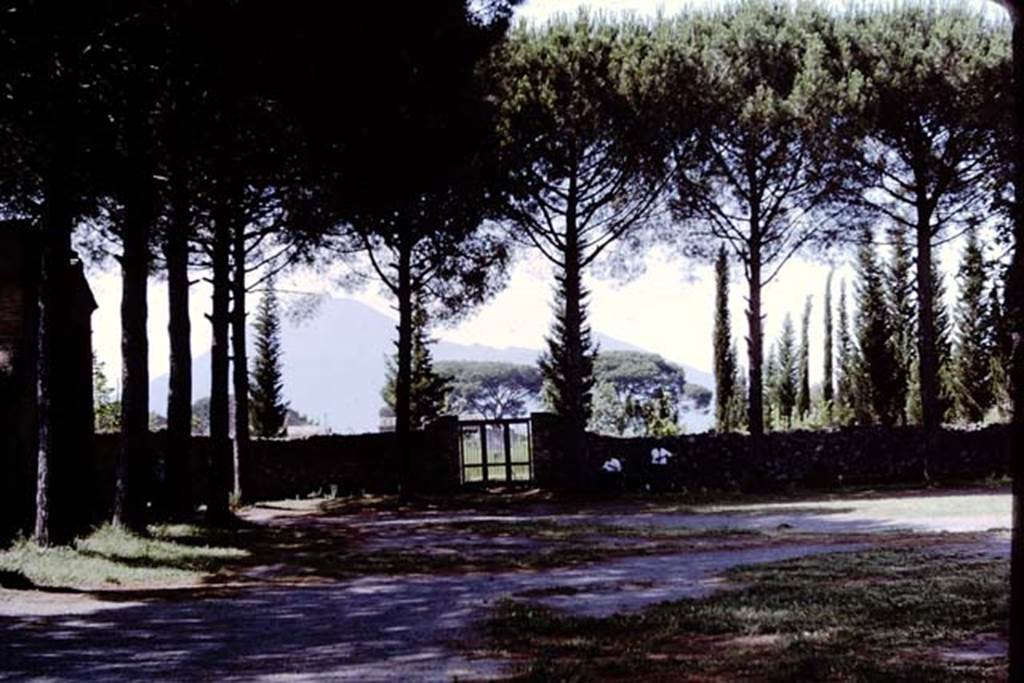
172	555
894	614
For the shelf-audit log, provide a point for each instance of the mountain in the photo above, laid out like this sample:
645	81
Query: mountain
335	362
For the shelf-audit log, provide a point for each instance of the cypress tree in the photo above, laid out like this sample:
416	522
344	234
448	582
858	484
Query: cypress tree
267	407
568	365
787	371
803	396
972	365
739	394
725	359
1000	343
847	361
828	381
944	356
877	380
428	390
771	387
902	315
943	342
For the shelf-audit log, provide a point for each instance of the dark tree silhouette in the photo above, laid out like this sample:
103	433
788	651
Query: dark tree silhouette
428	388
725	360
764	180
972	355
878	380
933	99
899	286
803	392
1015	313
576	138
828	378
52	125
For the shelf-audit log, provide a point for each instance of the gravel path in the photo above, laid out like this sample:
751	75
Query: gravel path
423	626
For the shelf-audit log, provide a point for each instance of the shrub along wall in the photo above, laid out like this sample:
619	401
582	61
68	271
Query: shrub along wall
855	456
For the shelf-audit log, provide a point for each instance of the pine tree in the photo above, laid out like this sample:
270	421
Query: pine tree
106	407
944	356
972	364
847	362
568	369
739	395
428	390
943	342
725	359
771	387
828	379
803	396
787	369
877	380
1000	343
902	315
267	407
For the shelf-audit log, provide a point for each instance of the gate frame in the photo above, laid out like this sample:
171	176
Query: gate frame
505	423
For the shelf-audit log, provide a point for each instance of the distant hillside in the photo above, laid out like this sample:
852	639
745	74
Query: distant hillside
334	366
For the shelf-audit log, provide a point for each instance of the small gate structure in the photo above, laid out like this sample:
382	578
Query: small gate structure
496	451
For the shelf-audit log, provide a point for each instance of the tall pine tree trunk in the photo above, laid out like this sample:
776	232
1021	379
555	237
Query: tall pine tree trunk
179	332
132	466
240	362
403	376
1015	309
827	382
575	398
928	361
53	519
220	484
755	339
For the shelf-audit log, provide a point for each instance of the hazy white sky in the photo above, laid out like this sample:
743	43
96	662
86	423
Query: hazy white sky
668	309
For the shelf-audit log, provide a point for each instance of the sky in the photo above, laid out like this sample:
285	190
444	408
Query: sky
668	309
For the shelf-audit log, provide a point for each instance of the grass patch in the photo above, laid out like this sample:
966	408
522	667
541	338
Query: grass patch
173	555
849	616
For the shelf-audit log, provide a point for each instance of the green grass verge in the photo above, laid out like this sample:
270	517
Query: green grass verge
178	554
875	615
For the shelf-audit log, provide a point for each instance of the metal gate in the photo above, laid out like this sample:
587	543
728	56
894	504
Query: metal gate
496	451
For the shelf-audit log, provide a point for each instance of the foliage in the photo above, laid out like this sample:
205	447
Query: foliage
106	409
846	360
724	351
177	554
638	394
828	373
489	389
803	395
763	178
267	407
899	289
575	139
428	389
786	375
879	383
931	108
972	355
568	363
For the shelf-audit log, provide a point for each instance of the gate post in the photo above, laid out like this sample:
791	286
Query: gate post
443	473
548	465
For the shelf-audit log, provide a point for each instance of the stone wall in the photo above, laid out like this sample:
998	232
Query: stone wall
856	456
281	468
